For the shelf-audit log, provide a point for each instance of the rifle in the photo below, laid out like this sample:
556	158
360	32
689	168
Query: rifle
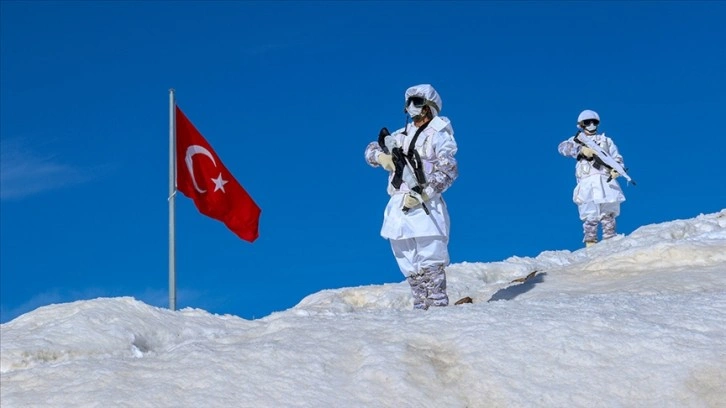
409	167
602	158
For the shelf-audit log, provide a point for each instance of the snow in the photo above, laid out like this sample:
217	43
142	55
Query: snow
636	321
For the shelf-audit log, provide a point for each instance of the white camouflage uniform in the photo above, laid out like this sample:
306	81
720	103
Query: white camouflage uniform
420	241
597	199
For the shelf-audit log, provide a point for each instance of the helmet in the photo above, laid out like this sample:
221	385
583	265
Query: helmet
417	96
588	114
592	119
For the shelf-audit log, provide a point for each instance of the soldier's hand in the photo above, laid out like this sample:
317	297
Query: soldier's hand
587	152
409	201
386	161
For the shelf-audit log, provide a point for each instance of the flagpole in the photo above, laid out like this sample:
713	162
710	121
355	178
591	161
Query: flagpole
172	194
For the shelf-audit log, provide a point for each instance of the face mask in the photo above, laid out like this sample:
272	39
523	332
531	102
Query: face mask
591	128
414	111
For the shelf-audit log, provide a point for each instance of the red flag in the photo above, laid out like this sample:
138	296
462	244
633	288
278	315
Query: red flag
202	177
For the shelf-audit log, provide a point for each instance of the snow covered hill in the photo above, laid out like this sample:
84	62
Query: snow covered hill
636	321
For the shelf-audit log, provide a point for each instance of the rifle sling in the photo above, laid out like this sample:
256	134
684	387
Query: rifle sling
413	158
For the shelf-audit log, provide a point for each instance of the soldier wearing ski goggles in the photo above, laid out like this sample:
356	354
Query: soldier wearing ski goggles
419	159
599	163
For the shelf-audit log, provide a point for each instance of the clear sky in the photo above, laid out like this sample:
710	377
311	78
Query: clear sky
290	93
636	321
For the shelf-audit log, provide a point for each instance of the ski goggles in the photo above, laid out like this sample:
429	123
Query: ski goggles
588	122
417	101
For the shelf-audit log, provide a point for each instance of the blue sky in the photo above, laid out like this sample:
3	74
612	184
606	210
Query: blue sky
290	93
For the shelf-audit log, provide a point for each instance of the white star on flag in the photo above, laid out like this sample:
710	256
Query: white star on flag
219	183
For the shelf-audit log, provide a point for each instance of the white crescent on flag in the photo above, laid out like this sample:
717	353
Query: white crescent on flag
191	151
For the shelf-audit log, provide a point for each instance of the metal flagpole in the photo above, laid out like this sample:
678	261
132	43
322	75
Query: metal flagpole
172	194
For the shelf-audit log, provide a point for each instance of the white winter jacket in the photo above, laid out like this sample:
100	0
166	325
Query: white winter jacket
592	185
437	147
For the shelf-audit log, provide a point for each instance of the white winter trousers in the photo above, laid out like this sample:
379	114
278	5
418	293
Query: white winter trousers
422	261
416	254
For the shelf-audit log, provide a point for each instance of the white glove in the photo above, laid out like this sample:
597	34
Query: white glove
410	201
587	152
614	174
386	161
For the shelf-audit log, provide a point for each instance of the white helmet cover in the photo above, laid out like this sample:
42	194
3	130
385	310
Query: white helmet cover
588	114
427	92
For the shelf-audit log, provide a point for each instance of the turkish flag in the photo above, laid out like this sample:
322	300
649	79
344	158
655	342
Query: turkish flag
202	177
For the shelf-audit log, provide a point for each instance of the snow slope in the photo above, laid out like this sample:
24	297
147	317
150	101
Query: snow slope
636	321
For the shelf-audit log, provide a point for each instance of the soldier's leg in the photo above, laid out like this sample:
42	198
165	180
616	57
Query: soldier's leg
419	290
608	226
589	228
436	286
405	251
590	216
433	254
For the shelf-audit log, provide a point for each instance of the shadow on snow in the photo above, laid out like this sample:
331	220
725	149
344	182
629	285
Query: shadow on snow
512	291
